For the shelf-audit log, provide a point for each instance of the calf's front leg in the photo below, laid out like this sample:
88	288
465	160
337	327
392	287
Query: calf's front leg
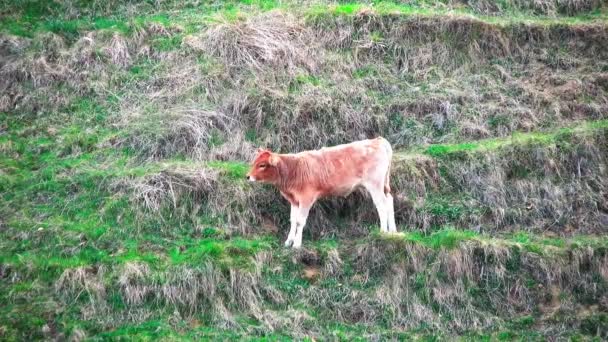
302	215
292	230
298	217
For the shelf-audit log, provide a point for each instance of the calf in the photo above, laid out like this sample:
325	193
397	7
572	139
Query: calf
304	177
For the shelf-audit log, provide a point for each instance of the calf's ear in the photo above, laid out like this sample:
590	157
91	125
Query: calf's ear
274	159
261	150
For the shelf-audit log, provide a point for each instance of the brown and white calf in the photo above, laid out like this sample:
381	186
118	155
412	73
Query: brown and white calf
304	177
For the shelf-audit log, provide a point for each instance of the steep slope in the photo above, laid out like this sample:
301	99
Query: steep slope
126	129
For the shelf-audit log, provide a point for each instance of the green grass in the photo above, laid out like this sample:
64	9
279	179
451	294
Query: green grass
447	238
167	43
365	71
155	329
543	138
445	207
24	22
149	330
429	9
450	238
236	252
302	79
57	192
233	170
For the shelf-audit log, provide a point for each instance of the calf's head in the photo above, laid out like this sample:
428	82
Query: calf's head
264	167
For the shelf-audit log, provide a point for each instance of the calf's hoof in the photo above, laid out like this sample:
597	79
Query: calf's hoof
288	243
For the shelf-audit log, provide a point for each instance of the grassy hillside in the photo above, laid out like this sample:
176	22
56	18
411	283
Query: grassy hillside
126	129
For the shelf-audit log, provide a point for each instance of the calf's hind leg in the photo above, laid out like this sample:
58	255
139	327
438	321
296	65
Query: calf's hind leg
390	208
380	201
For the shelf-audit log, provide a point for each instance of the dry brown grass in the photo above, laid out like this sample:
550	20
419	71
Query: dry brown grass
444	279
134	283
84	283
533	185
271	40
333	264
479	284
167	187
50	62
191	191
298	322
292	84
294	100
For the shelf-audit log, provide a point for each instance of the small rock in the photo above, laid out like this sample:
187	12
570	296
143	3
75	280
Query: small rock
603	220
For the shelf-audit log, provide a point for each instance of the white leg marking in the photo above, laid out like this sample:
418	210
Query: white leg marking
391	214
302	217
293	218
380	200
